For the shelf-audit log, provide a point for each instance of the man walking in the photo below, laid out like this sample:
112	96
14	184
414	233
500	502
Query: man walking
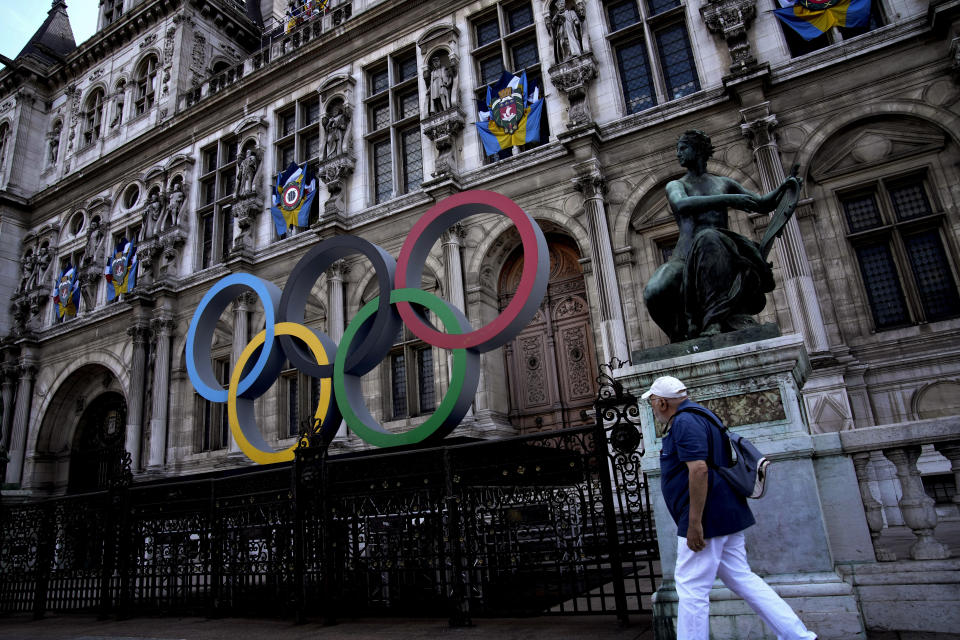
710	517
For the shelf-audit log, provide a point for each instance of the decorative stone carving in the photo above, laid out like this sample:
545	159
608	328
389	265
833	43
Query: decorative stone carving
441	79
93	251
730	19
443	129
174	205
336	126
566	20
245	215
336	104
151	216
198	59
572	77
28	272
247	171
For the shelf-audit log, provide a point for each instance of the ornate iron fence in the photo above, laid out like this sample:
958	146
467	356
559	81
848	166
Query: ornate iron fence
554	523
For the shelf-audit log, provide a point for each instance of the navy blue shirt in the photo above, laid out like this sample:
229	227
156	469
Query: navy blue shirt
725	511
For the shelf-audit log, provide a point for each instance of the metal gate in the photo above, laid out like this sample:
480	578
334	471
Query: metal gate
554	523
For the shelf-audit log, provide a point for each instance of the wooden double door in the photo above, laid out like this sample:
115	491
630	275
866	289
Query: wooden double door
552	363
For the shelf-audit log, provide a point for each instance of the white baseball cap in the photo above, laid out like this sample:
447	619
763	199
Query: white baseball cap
666	387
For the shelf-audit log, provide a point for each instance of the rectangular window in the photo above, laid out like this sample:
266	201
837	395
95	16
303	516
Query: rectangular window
393	127
654	59
896	236
298	140
218	184
212	430
412	160
398	378
425	380
513	48
676	59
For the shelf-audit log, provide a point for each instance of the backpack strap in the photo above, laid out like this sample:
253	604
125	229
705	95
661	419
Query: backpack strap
712	419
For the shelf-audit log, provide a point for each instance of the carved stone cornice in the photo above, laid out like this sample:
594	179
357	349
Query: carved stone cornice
572	77
730	19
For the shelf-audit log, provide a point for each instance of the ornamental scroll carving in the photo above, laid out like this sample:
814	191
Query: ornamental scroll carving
730	20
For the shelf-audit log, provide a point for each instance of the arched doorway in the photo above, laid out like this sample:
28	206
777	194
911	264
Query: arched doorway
552	364
97	453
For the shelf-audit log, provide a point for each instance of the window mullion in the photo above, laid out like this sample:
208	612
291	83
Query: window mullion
653	59
907	280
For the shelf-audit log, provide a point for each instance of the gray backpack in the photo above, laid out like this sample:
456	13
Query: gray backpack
748	473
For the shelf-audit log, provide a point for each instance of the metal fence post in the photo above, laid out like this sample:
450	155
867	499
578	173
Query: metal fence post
602	448
46	538
459	604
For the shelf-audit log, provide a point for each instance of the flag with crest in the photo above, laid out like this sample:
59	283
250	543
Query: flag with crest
511	114
292	197
813	18
66	292
121	269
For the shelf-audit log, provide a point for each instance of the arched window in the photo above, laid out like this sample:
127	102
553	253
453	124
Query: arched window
93	117
146	79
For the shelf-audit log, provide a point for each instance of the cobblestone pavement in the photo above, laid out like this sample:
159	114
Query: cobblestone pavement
88	628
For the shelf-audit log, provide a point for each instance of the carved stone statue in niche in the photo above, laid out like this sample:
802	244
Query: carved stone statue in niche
28	277
44	259
335	127
247	172
440	77
151	216
94	247
715	280
174	204
567	26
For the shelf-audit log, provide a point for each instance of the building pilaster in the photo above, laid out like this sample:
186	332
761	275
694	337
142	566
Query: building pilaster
162	328
758	126
591	182
27	371
336	316
241	336
140	334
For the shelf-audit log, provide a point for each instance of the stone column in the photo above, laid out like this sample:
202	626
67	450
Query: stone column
591	183
241	336
335	316
140	333
9	376
915	505
451	241
162	330
758	126
21	420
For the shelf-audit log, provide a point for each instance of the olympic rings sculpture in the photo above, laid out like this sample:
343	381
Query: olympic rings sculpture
369	336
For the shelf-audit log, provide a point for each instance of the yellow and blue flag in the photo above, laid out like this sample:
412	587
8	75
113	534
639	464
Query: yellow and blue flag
121	269
292	197
511	114
813	18
66	292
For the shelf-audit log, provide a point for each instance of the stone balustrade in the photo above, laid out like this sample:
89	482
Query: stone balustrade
902	444
276	44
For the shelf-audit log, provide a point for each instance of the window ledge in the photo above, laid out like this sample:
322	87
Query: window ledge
839	52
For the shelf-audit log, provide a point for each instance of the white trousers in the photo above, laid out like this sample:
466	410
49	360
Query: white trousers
726	557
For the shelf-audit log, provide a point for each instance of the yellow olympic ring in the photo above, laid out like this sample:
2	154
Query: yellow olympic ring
254	452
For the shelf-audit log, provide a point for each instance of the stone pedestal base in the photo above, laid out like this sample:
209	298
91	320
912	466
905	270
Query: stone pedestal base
755	388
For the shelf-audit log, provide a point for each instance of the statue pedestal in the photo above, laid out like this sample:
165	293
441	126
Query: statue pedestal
755	388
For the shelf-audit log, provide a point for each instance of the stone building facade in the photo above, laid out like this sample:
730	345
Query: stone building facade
170	124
